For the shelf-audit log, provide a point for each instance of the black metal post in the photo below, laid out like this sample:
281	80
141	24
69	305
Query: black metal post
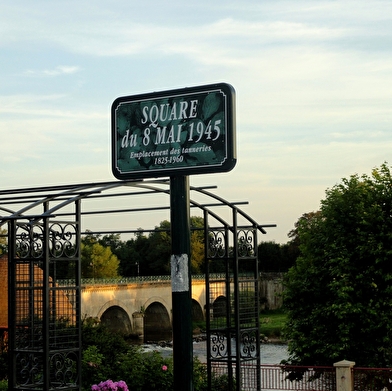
181	283
78	293
46	305
11	304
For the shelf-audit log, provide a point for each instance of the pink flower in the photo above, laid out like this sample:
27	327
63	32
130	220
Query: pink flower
110	385
122	386
164	368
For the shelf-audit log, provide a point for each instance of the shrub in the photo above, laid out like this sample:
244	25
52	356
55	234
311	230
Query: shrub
3	365
145	371
108	356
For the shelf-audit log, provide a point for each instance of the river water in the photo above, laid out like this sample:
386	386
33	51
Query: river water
270	353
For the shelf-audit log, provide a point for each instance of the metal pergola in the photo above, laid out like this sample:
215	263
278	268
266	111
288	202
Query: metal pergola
44	226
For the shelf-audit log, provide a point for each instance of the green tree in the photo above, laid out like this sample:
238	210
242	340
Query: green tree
112	240
275	257
97	261
145	255
159	251
197	245
150	255
338	295
197	253
270	257
132	256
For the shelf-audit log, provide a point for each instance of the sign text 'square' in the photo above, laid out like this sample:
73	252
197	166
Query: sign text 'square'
178	132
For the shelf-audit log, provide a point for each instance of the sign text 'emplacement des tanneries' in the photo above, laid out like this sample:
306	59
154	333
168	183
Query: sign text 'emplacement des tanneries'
178	132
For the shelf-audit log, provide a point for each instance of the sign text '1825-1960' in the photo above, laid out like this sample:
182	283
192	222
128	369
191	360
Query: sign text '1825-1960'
186	130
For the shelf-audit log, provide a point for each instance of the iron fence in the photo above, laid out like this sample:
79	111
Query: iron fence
129	280
284	377
372	379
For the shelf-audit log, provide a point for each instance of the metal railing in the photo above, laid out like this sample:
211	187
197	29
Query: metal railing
284	377
129	280
372	379
304	378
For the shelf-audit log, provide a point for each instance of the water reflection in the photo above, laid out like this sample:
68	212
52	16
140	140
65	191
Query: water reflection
273	353
270	353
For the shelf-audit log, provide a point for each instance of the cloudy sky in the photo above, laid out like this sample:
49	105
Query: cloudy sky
313	83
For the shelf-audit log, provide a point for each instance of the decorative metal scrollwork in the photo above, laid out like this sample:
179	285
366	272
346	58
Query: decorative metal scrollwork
248	344
63	369
245	239
29	369
216	244
62	240
218	346
29	241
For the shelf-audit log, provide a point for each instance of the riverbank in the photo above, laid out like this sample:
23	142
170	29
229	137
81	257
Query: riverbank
272	323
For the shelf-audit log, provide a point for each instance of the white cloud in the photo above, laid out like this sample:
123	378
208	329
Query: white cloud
57	71
29	106
314	102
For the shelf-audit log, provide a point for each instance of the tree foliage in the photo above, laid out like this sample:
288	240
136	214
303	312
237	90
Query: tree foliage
339	293
97	261
150	254
275	257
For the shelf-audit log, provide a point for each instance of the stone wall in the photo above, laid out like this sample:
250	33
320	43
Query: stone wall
271	288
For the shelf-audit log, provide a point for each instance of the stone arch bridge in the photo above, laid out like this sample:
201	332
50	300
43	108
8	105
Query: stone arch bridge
142	306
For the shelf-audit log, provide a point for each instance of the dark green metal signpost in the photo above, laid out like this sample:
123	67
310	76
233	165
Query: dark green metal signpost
175	134
181	284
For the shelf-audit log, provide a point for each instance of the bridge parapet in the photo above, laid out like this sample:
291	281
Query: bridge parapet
131	280
137	304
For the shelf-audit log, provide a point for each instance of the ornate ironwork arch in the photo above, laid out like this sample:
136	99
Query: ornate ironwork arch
44	230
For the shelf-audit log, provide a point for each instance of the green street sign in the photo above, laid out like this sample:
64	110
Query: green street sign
177	132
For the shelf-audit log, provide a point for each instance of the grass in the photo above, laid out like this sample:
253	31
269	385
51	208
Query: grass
272	323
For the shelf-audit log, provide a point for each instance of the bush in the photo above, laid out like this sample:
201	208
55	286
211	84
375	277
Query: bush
3	365
108	356
200	379
145	371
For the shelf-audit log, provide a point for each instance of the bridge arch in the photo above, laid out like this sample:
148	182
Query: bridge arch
117	320
160	300
111	303
115	315
157	323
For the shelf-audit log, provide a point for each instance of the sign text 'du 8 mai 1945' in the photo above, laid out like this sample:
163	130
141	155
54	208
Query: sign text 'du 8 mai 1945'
177	132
